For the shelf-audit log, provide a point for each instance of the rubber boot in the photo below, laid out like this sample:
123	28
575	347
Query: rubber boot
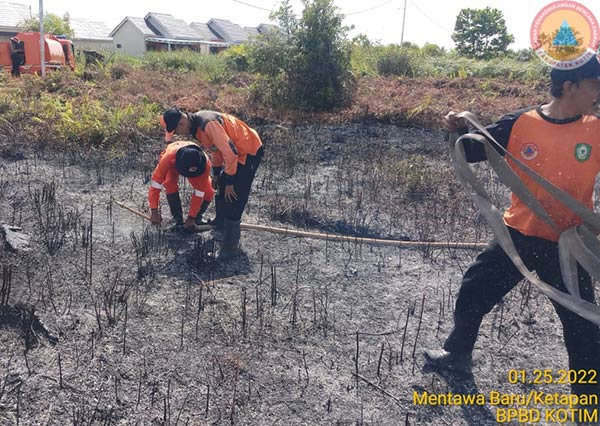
203	208
218	221
176	210
231	240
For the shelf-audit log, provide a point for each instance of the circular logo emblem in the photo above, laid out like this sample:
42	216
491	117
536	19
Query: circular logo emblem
529	151
565	34
193	169
583	152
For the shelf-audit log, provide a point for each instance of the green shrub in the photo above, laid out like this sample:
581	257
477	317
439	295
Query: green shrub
307	63
236	57
363	57
213	68
395	61
430	49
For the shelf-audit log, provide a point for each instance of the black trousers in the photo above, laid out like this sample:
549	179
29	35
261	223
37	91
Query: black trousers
17	61
242	185
493	275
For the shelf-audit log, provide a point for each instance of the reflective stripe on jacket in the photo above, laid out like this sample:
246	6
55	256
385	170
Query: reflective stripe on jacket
166	176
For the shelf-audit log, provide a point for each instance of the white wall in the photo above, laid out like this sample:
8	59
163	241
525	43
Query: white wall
130	38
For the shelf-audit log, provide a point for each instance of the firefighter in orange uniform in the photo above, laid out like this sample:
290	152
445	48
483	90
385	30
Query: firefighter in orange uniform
236	151
187	159
559	140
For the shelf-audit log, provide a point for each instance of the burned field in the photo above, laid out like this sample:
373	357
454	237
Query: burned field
105	320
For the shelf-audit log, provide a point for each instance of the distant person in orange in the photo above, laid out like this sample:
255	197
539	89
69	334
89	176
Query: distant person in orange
560	140
236	152
187	159
17	55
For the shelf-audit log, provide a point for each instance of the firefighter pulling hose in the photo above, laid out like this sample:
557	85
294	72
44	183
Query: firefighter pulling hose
549	156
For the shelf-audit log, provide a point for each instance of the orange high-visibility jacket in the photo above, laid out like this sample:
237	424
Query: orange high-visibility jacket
166	177
227	138
564	152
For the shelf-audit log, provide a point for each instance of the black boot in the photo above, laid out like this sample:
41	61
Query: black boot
203	208
452	361
231	240
176	210
218	221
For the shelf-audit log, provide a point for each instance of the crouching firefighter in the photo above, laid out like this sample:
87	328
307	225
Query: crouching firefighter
187	159
236	152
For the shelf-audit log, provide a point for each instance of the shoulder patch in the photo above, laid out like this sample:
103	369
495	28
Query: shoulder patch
529	151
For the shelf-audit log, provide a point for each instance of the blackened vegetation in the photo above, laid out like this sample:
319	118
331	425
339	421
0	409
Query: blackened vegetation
153	330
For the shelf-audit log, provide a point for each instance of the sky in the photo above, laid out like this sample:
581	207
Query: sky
426	20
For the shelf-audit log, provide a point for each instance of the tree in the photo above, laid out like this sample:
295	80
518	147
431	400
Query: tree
307	64
321	75
53	24
481	33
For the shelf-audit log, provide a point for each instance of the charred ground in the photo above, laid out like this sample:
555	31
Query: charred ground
151	331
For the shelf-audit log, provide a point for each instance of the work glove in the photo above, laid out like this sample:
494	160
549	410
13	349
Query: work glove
155	217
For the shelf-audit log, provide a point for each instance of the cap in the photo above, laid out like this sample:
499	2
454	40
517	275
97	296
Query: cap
169	121
190	161
591	69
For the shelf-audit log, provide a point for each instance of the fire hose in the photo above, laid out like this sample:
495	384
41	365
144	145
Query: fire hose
334	237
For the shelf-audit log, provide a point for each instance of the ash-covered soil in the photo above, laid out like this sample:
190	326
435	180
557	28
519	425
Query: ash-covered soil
151	331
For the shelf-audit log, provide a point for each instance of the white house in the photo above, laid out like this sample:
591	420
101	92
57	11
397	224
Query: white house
160	32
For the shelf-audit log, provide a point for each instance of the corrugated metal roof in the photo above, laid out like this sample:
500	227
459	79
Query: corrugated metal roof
251	31
84	29
204	31
171	27
228	31
13	14
140	23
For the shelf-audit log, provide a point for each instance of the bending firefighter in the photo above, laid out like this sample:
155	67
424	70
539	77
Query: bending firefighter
236	151
560	141
187	159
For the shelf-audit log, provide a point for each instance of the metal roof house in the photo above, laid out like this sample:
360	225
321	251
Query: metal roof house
12	15
228	31
88	35
159	32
